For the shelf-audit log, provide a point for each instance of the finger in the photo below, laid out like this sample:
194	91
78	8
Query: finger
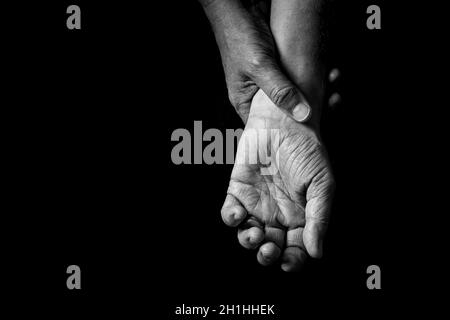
233	213
268	253
294	238
317	217
335	100
275	235
250	238
294	256
334	75
282	92
293	259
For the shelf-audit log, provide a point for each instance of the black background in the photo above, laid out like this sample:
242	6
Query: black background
89	125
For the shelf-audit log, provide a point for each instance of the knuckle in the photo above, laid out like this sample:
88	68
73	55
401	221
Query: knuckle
241	96
233	97
258	62
238	103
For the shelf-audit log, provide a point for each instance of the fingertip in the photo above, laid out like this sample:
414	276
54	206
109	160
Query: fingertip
334	75
233	213
268	253
316	251
317	216
335	100
293	259
233	216
250	238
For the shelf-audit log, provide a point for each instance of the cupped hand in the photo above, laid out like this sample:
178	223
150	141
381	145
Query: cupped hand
280	189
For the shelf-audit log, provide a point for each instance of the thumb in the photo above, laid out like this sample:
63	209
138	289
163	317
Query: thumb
317	214
283	93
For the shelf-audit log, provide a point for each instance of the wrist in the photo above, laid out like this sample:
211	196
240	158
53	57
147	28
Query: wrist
221	15
309	75
264	113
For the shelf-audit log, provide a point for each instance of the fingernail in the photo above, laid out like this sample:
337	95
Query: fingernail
301	112
334	100
265	254
334	74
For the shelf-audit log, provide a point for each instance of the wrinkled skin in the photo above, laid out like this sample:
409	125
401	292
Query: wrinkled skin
249	56
283	208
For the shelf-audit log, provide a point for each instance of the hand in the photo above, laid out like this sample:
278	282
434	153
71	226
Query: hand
250	61
283	208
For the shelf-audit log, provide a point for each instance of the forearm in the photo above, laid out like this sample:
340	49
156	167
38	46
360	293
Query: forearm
234	26
206	3
296	28
249	55
221	11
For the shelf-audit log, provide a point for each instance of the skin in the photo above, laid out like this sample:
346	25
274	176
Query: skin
270	70
250	57
286	213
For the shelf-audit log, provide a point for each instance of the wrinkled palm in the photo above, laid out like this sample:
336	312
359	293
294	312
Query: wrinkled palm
280	188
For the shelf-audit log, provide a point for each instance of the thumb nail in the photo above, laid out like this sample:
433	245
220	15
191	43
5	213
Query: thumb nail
301	112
